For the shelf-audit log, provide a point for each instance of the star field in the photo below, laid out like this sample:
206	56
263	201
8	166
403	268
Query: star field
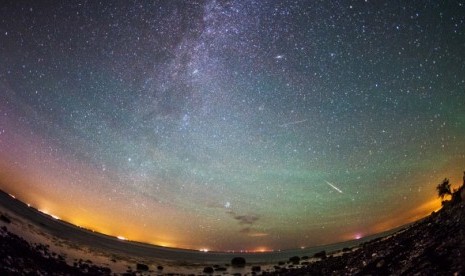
232	125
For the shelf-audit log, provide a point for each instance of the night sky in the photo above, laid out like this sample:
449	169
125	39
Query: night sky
232	125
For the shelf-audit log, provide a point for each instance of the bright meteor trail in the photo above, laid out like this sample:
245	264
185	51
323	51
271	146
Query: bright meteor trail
334	187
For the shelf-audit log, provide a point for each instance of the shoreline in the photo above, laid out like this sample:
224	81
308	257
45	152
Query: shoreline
65	230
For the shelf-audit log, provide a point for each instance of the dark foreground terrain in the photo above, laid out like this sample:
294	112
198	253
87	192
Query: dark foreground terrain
18	257
433	246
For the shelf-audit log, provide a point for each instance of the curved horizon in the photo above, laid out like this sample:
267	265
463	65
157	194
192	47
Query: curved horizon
21	210
232	125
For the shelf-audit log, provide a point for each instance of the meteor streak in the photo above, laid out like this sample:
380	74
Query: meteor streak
293	123
334	187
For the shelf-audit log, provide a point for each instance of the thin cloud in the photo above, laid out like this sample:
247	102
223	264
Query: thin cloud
247	219
252	232
243	219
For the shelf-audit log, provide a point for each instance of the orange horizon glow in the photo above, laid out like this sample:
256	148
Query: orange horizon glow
413	215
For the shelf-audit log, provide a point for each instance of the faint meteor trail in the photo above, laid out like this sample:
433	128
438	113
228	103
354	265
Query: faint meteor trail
334	187
293	123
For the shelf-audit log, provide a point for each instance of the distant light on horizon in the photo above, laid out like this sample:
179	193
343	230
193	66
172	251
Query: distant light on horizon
46	212
43	211
262	250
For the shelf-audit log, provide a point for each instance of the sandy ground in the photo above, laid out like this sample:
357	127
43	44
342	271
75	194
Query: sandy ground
118	262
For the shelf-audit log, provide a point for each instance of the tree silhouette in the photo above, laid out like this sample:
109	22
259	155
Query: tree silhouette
444	188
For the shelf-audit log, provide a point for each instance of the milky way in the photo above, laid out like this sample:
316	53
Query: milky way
229	125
